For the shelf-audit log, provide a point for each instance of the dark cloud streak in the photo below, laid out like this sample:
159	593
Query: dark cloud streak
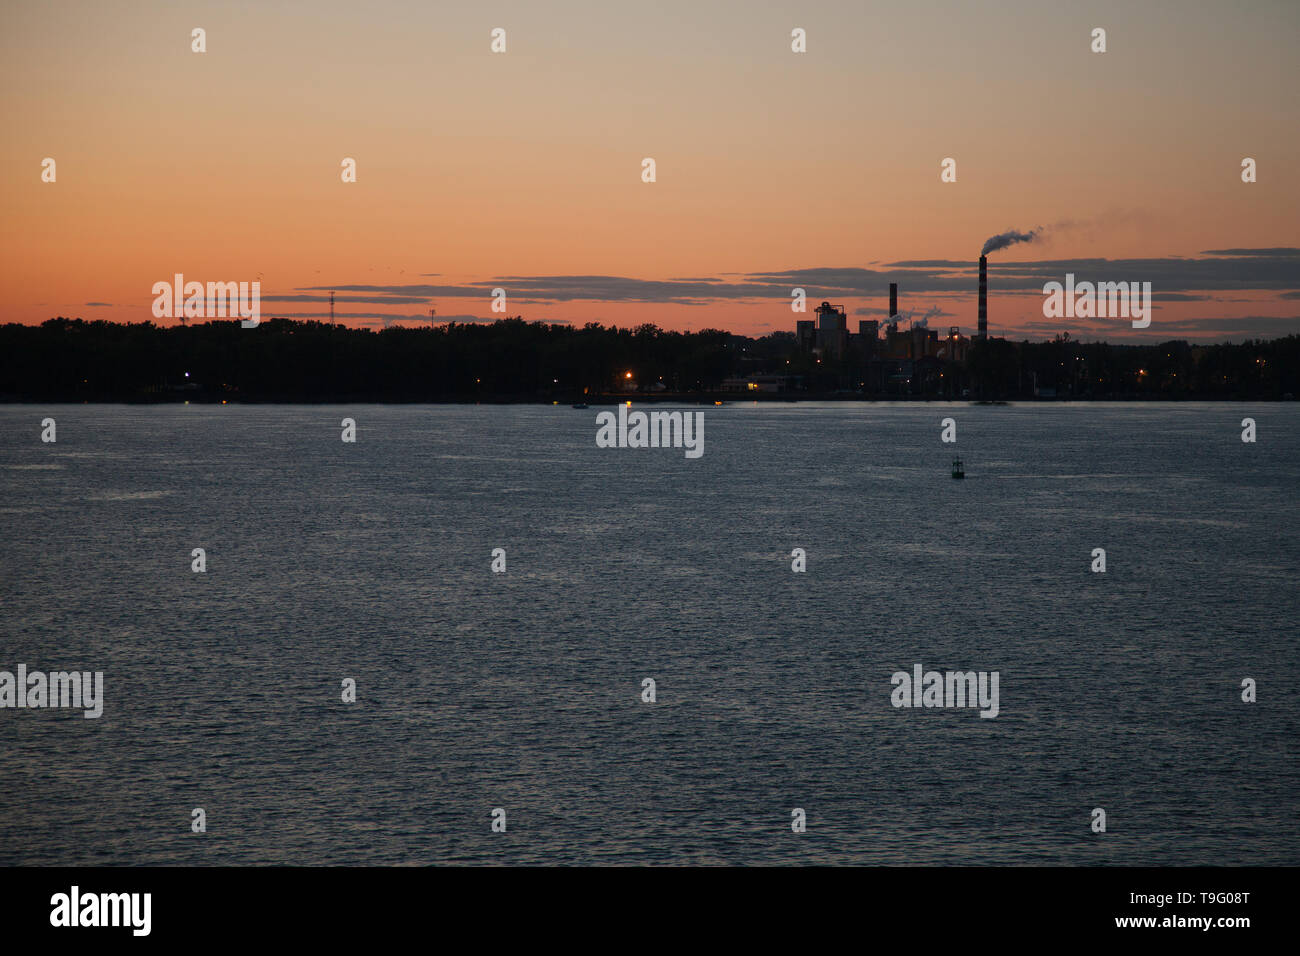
1171	277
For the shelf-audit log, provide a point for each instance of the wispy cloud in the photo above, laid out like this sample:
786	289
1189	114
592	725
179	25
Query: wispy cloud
1244	327
1173	279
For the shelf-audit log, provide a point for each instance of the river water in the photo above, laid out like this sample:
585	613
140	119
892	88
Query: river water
522	690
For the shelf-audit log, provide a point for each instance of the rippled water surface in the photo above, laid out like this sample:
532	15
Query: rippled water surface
522	690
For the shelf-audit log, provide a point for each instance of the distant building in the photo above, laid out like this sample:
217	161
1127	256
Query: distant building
805	332
954	347
757	383
881	357
832	329
868	337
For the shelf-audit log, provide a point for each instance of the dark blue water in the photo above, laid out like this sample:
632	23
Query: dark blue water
522	690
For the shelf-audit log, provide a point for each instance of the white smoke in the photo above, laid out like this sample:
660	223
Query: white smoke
1009	238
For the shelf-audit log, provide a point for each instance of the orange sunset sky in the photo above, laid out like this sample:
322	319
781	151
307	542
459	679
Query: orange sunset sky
774	169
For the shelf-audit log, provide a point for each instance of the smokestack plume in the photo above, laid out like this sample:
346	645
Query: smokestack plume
993	244
1008	238
893	299
984	296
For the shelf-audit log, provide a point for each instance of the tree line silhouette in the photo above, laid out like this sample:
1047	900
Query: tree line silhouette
513	360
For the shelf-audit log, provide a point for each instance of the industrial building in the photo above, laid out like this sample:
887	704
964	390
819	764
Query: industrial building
984	298
888	357
828	335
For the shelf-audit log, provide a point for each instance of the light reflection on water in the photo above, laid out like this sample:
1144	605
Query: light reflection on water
521	690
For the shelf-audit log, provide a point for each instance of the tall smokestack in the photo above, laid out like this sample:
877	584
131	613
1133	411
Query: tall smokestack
984	298
893	299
